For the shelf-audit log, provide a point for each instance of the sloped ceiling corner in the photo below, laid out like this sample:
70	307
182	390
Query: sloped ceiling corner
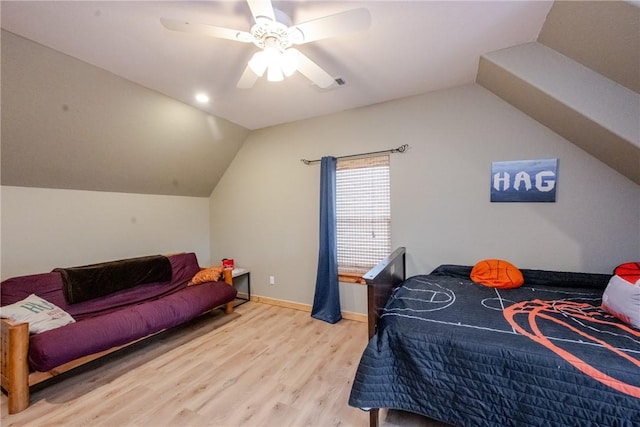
581	79
69	125
603	36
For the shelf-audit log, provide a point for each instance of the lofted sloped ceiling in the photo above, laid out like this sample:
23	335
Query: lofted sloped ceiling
411	47
98	95
581	78
67	124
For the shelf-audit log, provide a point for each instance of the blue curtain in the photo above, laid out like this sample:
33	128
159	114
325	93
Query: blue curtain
326	301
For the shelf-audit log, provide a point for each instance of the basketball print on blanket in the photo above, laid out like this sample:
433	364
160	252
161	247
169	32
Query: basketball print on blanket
584	323
567	323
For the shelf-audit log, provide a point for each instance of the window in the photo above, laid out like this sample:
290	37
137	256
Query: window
363	215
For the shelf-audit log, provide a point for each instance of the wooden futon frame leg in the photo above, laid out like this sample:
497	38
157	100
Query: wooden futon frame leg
228	278
15	368
228	308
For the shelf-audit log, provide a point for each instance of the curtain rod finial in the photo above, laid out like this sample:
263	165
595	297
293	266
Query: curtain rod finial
305	161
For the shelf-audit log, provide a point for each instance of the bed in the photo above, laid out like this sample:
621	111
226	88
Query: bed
543	354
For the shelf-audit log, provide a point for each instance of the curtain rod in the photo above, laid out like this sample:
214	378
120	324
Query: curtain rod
400	149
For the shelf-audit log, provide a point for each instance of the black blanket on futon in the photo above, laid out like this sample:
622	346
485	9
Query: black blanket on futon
97	280
471	355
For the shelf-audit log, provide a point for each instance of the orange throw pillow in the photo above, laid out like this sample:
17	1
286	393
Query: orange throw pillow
497	273
207	275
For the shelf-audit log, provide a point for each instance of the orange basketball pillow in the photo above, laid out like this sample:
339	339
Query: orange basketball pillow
497	273
629	271
207	275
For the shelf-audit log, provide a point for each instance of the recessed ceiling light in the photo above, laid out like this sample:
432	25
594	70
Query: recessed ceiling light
202	98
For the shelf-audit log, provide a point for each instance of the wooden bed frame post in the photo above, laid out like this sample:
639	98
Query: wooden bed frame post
381	280
373	417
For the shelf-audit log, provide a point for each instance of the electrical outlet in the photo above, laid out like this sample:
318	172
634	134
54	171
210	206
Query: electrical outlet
272	280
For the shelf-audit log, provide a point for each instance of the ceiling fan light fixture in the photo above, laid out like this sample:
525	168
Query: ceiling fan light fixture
258	63
289	62
271	54
274	61
274	73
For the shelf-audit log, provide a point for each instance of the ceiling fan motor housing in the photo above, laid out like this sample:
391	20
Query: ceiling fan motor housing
266	29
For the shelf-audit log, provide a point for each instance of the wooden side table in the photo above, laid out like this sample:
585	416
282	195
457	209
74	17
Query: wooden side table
241	273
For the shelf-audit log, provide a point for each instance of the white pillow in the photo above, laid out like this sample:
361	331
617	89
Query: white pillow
38	312
622	299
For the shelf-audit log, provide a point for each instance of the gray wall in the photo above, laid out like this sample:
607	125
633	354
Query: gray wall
68	124
47	228
264	209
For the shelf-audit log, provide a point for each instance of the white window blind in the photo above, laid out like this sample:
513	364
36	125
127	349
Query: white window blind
363	213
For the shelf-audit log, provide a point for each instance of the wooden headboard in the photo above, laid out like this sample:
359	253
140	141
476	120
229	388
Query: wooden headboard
381	280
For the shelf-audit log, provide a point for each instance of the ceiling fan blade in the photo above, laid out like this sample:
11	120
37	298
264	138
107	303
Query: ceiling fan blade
330	26
312	71
261	9
248	79
208	30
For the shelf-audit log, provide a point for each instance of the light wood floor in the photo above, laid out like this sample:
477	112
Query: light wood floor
261	366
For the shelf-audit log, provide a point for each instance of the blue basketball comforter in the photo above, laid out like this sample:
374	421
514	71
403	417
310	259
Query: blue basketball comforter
544	354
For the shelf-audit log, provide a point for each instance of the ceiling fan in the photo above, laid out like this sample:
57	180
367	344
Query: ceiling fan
274	34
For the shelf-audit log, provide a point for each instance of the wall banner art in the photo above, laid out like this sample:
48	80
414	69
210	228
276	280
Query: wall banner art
524	180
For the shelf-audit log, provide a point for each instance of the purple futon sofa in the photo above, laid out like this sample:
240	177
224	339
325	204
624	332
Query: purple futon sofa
112	304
